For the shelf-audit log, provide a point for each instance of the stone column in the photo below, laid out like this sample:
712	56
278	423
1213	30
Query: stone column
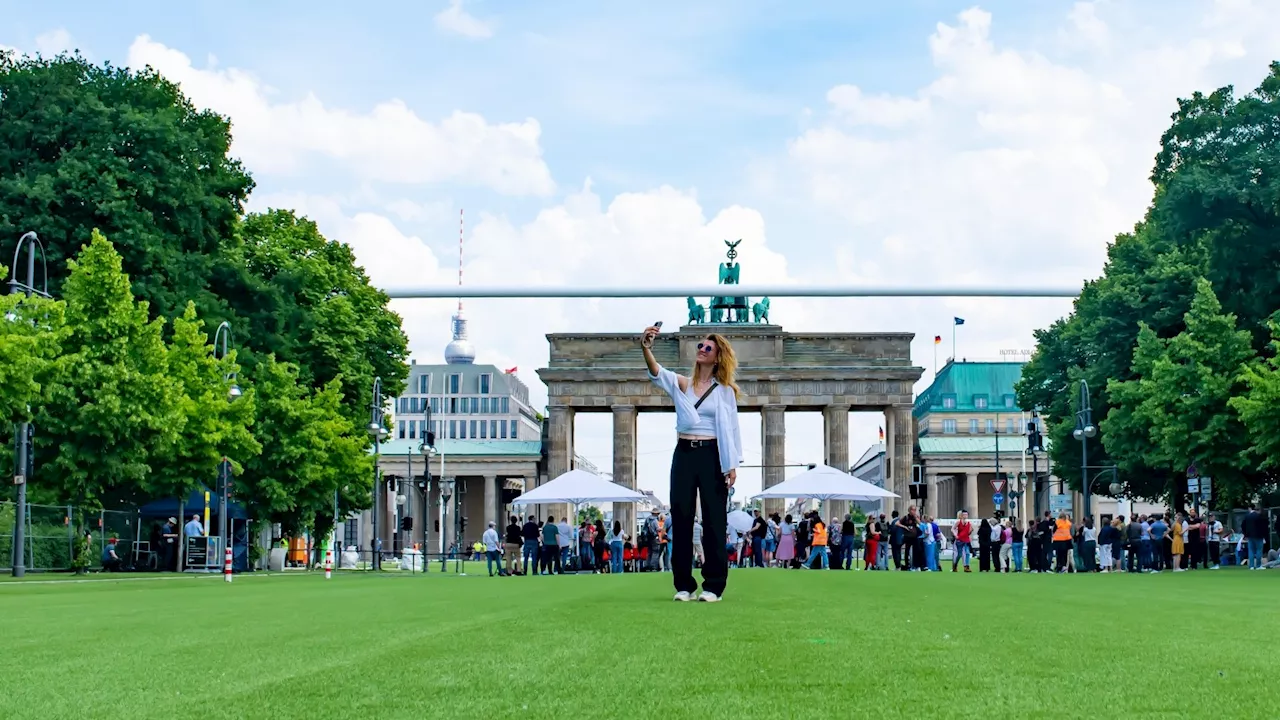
773	419
835	423
624	460
559	451
491	499
971	494
931	497
899	446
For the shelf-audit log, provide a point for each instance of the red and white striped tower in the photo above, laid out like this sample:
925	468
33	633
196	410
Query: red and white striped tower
226	565
328	563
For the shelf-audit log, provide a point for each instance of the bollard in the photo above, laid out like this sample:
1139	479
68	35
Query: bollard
226	565
328	564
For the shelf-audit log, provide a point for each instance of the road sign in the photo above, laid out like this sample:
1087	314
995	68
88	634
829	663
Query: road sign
998	486
1206	485
1060	502
998	499
1193	485
19	479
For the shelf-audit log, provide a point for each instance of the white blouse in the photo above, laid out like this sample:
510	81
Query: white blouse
725	406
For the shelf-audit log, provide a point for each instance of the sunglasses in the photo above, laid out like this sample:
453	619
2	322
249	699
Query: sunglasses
706	347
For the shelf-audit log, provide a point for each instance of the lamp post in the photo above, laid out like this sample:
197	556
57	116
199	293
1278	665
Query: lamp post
223	334
378	433
24	461
1084	430
428	450
1035	444
446	492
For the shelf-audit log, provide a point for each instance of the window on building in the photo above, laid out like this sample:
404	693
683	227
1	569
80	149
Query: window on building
455	384
980	402
484	430
453	406
973	427
475	405
435	405
473	429
513	430
453	429
991	426
949	402
1009	400
493	429
413	430
401	435
424	384
484	406
504	428
1011	427
949	427
506	405
486	381
352	533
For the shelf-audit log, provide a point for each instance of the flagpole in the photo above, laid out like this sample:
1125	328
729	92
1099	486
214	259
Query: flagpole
953	340
935	360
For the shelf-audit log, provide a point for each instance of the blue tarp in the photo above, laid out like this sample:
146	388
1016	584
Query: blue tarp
168	507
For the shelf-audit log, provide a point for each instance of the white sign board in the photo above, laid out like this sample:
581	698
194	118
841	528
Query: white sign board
1060	502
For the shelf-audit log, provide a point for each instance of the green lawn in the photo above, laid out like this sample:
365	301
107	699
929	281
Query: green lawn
783	644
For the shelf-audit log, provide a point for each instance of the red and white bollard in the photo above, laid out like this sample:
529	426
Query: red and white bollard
226	565
328	564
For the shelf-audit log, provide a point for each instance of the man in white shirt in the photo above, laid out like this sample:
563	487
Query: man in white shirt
492	556
565	540
1214	547
194	528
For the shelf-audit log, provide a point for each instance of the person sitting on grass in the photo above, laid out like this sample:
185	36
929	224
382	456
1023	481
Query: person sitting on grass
110	561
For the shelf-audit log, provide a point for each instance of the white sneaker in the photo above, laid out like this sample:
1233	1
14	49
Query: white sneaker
708	597
683	596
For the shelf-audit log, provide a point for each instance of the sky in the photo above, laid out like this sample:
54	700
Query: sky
896	142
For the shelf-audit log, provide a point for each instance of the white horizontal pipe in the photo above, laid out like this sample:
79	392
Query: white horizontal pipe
704	291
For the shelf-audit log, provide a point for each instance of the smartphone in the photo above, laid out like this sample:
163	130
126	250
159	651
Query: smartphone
658	324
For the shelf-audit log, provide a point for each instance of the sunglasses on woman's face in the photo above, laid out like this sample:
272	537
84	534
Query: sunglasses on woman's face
706	347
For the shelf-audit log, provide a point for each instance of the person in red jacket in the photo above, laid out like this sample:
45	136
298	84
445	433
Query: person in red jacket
964	534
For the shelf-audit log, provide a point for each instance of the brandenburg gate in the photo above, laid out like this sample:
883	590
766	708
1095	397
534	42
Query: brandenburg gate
778	371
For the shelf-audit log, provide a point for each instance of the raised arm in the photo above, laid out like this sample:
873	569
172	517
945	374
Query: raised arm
665	379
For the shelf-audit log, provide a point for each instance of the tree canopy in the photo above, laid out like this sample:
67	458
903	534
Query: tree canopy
1182	306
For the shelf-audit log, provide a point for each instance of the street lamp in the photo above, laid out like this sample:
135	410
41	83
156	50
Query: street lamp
427	448
24	462
446	492
1084	430
378	433
221	343
1035	445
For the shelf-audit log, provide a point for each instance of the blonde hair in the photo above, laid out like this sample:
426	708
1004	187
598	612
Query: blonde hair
726	364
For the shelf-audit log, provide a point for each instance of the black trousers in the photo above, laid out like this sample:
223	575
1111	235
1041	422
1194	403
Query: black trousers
695	474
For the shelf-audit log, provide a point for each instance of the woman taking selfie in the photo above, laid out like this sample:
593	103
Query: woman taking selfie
704	465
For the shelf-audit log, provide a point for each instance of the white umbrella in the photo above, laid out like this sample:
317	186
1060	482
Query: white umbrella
827	483
740	521
578	487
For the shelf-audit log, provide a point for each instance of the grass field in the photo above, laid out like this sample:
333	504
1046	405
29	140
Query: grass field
783	644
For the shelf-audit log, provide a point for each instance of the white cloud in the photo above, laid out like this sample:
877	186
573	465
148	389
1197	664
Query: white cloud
849	102
389	143
50	43
454	19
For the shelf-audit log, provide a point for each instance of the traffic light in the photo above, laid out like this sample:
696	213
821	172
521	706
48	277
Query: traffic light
406	522
1035	441
463	526
431	439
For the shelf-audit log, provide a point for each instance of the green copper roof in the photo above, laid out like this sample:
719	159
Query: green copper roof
980	445
468	448
968	381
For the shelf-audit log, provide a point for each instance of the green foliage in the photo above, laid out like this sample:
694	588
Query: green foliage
1213	218
590	514
309	451
31	334
1177	412
216	425
1259	405
306	301
84	147
83	557
113	406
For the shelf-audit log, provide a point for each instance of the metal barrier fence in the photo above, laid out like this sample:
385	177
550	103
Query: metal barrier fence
50	536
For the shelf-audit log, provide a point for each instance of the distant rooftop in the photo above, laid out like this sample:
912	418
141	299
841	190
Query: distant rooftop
467	448
971	387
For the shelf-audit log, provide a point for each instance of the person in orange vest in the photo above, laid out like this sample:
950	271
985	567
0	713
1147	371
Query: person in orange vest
818	549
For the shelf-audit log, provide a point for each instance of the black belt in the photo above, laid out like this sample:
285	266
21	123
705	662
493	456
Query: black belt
688	443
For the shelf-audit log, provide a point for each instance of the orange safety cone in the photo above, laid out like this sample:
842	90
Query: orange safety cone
328	563
226	566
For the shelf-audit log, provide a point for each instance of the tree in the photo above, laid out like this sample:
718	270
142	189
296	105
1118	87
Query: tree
1214	217
1259	405
84	147
31	334
1178	411
216	426
306	301
113	409
590	514
309	452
